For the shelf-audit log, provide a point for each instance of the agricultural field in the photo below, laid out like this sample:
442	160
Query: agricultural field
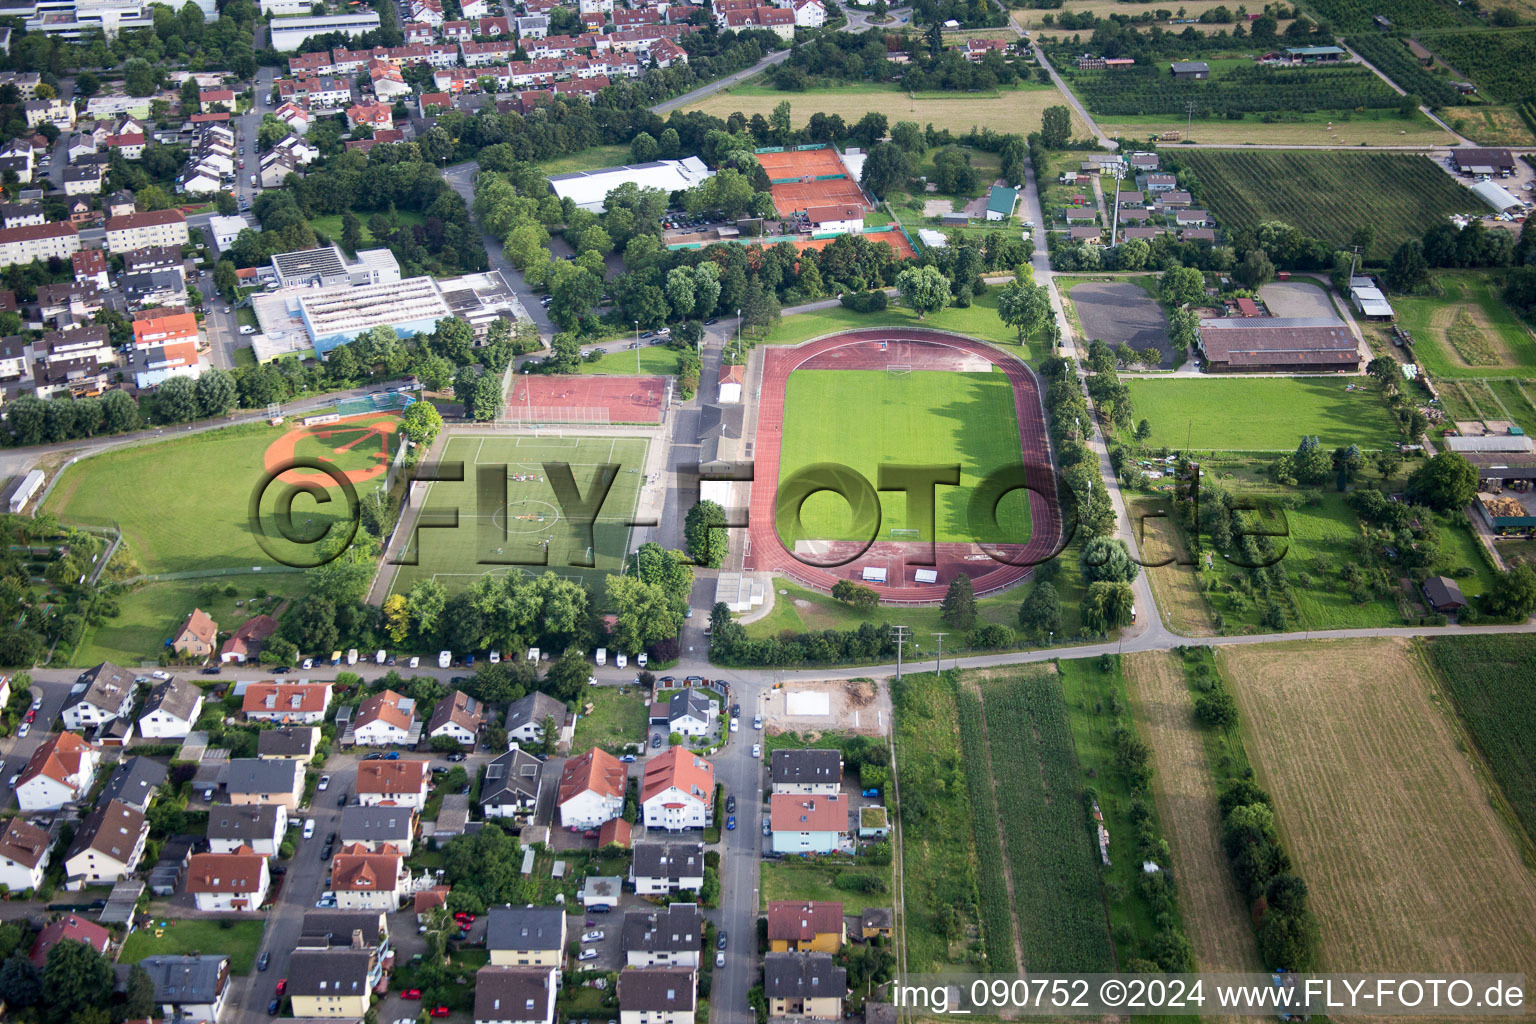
1467	330
861	418
938	848
1034	19
1334	128
1498	63
1175	584
1489	125
1185	792
1328	195
1004	111
1236	88
1489	678
1391	56
1406	860
1053	861
1259	414
1354	15
997	923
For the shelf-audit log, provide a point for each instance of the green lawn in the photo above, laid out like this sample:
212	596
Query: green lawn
330	226
1260	414
863	418
796	879
1499	332
647	360
183	503
979	320
614	721
238	939
245	358
151	613
590	159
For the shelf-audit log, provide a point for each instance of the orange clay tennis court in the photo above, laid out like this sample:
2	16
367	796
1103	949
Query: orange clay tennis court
897	240
800	163
802	195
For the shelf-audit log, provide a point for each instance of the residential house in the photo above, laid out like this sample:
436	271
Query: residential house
189	989
806	772
615	832
667	867
677	791
294	741
375	828
875	923
1443	595
172	708
256	827
247	641
20	215
333	984
289	703
135	781
377	116
670	936
401	783
101	694
40	241
808	14
107	846
251	780
690	712
383	720
808	824
657	995
217	99
457	715
801	926
515	995
345	929
154	227
366	879
24	850
807	985
57	111
90	267
59	771
526	936
72	928
229	881
526	717
591	789
511	784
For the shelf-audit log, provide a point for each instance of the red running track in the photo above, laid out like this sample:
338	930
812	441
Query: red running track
925	350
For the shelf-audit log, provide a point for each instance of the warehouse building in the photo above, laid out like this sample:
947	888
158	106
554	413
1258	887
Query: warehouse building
588	189
1278	345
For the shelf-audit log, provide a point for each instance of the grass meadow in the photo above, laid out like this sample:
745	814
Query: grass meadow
238	940
865	418
1467	331
1260	414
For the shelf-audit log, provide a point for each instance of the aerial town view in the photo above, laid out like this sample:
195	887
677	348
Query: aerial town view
766	511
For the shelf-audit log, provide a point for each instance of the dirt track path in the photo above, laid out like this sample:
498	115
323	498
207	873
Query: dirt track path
1186	804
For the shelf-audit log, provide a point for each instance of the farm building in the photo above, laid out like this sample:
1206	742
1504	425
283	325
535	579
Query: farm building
1247	307
1506	515
1490	443
1314	54
1195	69
1277	345
1368	299
1443	595
1497	196
1484	161
1000	202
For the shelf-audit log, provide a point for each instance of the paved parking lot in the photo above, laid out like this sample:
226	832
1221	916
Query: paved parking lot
1121	312
1296	299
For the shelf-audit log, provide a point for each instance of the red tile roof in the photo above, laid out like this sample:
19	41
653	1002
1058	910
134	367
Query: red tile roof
289	698
68	927
799	921
237	872
679	767
391	778
792	812
58	757
596	770
357	869
383	707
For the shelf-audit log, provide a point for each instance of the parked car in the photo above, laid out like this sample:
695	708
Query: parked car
457	757
411	993
655	741
324	784
628	759
273	1007
757	721
719	959
767	829
592	937
720	939
26	727
264	961
757	750
439	1011
588	954
730	805
730	823
37	704
282	985
870	792
309	828
325	904
735	724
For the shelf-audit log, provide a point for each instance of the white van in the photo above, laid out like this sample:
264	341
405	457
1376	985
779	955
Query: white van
378	658
415	661
352	656
602	656
1133	613
620	660
444	659
495	657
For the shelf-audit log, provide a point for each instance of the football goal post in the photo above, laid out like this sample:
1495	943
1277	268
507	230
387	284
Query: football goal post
900	534
898	369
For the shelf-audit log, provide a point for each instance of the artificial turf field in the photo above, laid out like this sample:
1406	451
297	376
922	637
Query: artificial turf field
1261	414
862	418
506	518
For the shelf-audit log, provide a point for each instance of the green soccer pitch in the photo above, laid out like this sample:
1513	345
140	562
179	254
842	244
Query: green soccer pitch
511	520
862	418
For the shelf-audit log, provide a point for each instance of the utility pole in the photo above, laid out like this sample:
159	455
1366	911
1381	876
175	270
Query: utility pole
938	660
1354	259
1189	124
901	635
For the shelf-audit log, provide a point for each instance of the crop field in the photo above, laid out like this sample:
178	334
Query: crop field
861	418
1354	15
1058	899
1380	808
1498	63
1489	125
1244	89
997	927
1489	678
1392	58
1328	195
1184	790
1467	331
1268	414
938	849
1003	111
1335	128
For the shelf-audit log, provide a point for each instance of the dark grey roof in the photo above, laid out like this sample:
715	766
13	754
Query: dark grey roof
657	989
524	928
512	993
688	703
85	172
290	741
803	976
184	980
152	257
677	929
514	776
669	860
1190	65
375	825
805	767
875	917
146	282
333	972
1443	591
244	822
134	782
721	421
108	686
176	696
535	707
333	929
253	775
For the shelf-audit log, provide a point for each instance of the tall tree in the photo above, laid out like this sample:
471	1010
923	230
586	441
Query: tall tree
1056	127
924	289
958	609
